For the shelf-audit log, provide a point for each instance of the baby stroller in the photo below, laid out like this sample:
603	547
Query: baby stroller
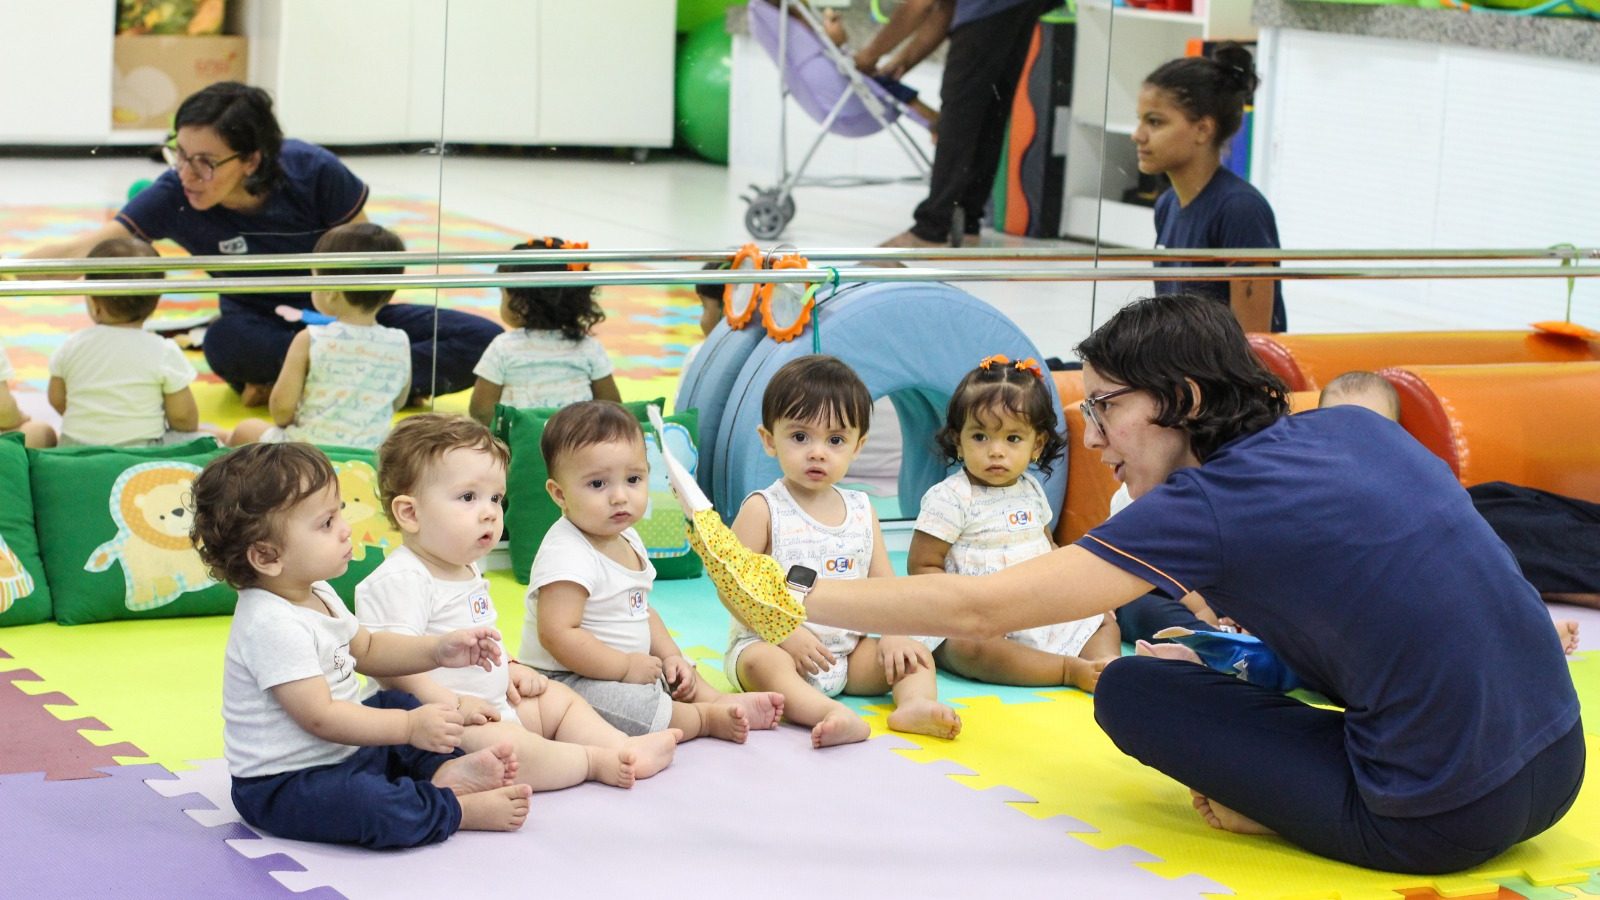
825	82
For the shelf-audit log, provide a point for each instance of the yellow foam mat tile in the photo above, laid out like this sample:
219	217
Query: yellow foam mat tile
156	683
1056	754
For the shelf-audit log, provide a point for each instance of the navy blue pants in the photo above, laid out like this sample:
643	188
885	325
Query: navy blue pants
1151	613
247	345
381	797
1285	765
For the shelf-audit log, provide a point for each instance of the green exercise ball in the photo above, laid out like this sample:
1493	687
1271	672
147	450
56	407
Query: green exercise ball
138	186
694	13
705	69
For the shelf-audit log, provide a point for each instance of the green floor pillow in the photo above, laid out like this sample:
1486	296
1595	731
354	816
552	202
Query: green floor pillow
530	512
24	593
113	526
371	535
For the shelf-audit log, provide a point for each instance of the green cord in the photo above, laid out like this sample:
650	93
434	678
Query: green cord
1571	260
816	310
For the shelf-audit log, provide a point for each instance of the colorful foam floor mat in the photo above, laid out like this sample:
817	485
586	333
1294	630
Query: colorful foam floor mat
647	331
113	733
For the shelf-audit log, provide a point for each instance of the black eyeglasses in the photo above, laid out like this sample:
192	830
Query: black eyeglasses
1089	403
203	167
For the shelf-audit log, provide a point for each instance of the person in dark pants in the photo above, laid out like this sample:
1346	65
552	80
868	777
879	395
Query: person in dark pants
237	186
987	50
1347	549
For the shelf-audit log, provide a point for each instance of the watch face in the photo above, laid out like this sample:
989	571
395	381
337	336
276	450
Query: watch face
802	578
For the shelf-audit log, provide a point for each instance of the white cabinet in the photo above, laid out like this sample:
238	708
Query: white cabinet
55	64
1116	48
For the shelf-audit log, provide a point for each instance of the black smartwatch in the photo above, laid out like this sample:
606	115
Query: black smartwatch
801	579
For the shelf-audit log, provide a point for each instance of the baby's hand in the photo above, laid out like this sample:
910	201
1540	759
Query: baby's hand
900	656
810	657
680	676
434	727
476	710
469	647
525	684
642	669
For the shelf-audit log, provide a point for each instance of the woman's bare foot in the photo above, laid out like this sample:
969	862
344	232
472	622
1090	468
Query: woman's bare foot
487	769
1084	674
500	809
840	727
724	720
255	394
1567	630
1219	816
925	716
763	709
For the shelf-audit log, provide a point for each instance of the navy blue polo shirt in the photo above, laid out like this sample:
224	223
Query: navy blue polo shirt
1355	554
317	193
973	10
1227	213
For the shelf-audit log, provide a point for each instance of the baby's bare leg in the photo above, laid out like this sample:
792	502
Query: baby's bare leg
613	758
1002	661
765	667
1083	670
762	709
916	696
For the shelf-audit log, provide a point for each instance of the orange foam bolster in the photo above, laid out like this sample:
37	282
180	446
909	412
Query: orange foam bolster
1309	361
1532	424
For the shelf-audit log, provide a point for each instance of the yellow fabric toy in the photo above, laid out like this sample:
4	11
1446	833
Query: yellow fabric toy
751	585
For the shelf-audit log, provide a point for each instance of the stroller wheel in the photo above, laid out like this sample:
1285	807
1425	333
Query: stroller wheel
764	217
788	209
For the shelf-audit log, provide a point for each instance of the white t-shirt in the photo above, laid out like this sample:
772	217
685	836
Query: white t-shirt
542	368
355	375
402	596
117	380
273	642
618	611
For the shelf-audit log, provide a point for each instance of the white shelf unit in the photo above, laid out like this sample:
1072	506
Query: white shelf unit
1116	48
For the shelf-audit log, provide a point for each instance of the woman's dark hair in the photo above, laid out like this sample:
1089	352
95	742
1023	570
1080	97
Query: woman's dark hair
1219	86
242	116
1160	344
569	310
1002	389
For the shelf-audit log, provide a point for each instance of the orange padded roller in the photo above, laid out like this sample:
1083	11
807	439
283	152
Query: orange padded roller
1309	361
1532	424
1089	482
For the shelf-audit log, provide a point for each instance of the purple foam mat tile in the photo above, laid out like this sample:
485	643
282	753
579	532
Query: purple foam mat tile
37	741
856	820
114	837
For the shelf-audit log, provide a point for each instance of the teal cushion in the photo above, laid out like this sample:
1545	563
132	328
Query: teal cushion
24	592
530	512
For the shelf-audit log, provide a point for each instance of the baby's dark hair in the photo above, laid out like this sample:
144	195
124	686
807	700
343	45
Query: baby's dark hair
129	307
816	388
240	498
569	310
1000	389
362	237
420	441
1352	384
582	424
1218	86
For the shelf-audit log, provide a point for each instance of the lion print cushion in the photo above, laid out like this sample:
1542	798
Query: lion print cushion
24	591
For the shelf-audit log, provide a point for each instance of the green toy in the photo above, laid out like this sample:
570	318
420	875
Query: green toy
705	69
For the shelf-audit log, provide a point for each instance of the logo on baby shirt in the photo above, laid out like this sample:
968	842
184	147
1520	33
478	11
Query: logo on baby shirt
342	666
839	565
478	603
233	245
1021	520
636	604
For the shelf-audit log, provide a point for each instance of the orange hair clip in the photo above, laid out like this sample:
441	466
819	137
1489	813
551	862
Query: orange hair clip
1031	365
577	266
997	359
554	243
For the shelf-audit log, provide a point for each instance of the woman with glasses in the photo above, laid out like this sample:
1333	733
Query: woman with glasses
1351	552
238	187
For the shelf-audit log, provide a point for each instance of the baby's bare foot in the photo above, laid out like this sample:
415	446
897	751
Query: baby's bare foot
500	809
1567	630
484	770
926	716
724	720
653	752
1219	816
840	727
1084	674
762	708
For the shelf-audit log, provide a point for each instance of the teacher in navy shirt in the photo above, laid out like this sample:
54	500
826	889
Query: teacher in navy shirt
237	187
1188	110
1352	553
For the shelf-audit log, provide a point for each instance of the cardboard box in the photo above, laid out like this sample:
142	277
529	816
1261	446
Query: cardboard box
152	74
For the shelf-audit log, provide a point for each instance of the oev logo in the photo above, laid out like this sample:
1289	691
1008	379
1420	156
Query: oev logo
1020	518
840	565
